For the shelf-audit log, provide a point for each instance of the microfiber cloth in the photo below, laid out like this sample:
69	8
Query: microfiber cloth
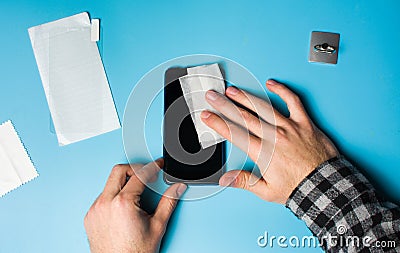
16	167
194	85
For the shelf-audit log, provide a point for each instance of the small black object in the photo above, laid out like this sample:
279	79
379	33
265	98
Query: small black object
324	48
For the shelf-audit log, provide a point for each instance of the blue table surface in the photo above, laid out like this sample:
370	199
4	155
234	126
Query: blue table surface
356	102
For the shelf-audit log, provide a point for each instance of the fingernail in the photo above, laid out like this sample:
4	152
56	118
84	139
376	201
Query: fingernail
212	95
181	189
205	114
227	181
232	90
271	82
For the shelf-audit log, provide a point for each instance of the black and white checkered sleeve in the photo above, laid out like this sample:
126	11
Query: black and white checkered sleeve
342	209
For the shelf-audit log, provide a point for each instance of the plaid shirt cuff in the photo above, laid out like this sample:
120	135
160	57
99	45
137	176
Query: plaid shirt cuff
337	196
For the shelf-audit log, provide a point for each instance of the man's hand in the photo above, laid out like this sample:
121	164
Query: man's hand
300	146
116	223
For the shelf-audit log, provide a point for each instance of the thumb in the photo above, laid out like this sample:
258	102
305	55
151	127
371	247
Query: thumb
245	180
168	202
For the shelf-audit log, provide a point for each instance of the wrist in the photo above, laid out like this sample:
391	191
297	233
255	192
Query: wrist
309	176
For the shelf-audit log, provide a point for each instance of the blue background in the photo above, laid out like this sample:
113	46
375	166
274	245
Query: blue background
356	102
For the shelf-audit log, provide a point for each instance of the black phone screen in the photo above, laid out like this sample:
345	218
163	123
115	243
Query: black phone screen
184	159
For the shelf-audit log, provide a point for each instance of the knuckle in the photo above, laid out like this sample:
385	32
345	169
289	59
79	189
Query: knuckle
212	121
289	126
245	114
122	196
257	124
249	119
170	207
124	200
295	100
116	168
171	204
119	201
241	182
255	147
245	118
281	135
223	101
308	125
220	101
259	152
226	130
99	204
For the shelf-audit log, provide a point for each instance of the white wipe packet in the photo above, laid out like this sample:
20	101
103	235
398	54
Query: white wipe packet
199	80
16	168
73	78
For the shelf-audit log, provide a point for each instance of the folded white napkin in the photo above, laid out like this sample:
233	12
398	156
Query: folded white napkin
16	167
199	80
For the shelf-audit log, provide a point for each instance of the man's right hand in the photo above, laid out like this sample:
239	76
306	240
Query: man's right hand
299	145
117	223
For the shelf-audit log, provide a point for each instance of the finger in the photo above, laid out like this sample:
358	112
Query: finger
238	115
137	183
117	179
233	133
149	172
255	104
256	125
245	180
168	202
296	109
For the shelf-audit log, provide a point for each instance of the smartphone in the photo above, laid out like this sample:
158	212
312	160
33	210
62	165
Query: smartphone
184	159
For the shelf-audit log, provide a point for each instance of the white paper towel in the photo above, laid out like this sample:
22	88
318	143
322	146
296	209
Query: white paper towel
16	167
199	80
73	78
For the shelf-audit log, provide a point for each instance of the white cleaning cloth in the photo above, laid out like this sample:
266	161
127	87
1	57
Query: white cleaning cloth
199	80
73	79
16	167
